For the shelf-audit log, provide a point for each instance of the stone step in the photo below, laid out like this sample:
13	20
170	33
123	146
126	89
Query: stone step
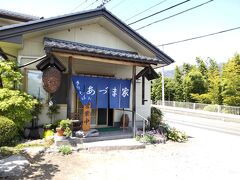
107	145
104	138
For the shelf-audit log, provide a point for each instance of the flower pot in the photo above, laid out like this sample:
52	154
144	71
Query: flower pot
59	131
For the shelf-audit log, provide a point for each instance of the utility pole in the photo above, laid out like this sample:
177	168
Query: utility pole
163	101
163	94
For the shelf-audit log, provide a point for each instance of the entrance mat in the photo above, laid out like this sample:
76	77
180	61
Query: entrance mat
107	129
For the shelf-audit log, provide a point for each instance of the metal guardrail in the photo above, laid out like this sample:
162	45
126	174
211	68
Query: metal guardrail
145	120
200	106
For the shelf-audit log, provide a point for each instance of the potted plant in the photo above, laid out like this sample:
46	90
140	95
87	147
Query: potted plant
64	128
53	110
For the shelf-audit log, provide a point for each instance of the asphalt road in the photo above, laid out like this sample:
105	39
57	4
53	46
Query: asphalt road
203	123
215	143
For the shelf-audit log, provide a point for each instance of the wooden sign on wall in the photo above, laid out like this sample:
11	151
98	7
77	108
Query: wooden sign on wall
51	79
86	117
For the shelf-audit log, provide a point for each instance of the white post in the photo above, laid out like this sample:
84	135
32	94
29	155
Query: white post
163	101
219	108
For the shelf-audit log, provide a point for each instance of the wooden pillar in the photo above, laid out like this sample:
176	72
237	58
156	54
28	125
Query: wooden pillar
134	100
69	89
143	90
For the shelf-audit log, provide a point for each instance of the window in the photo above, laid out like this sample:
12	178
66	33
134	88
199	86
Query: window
34	84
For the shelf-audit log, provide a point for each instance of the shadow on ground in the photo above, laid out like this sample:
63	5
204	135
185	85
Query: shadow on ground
40	169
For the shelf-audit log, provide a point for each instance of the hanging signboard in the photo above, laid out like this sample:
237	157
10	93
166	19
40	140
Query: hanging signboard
86	117
102	92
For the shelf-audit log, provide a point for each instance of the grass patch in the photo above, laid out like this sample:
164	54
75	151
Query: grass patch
65	150
18	149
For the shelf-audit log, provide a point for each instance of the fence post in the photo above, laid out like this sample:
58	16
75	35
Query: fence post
219	108
194	106
174	103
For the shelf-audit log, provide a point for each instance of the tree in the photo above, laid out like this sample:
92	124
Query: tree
230	81
214	82
156	93
14	104
10	77
194	83
213	94
178	84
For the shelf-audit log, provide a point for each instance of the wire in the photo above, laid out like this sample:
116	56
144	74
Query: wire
159	12
79	5
104	2
91	4
117	4
155	5
198	37
173	15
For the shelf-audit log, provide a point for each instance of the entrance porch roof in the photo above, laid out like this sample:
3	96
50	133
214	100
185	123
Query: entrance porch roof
74	48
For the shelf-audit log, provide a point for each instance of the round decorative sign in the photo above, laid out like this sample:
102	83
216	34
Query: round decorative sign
51	79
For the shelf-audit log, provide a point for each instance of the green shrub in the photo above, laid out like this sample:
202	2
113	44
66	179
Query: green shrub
147	138
56	124
19	148
8	151
156	118
17	106
176	135
8	131
66	125
211	108
65	150
48	133
47	126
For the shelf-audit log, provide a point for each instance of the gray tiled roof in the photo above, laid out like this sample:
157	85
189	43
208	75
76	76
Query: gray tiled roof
98	50
18	15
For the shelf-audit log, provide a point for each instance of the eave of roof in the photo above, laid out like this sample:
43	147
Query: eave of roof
92	50
17	16
41	24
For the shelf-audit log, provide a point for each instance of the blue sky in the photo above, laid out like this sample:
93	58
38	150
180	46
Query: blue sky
212	17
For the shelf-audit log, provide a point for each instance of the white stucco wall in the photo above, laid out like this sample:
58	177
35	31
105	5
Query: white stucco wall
90	34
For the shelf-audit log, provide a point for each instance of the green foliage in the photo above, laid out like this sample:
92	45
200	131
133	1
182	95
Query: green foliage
67	132
211	108
66	125
204	83
19	148
194	83
156	93
176	135
202	98
10	76
156	118
213	94
147	138
48	133
47	126
16	105
53	110
65	150
230	81
8	131
178	84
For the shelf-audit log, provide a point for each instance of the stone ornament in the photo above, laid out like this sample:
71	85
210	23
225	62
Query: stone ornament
51	79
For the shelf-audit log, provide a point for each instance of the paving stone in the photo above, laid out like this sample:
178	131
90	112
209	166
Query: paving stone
13	166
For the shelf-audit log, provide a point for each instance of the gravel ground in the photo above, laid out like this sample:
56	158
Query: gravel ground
196	159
